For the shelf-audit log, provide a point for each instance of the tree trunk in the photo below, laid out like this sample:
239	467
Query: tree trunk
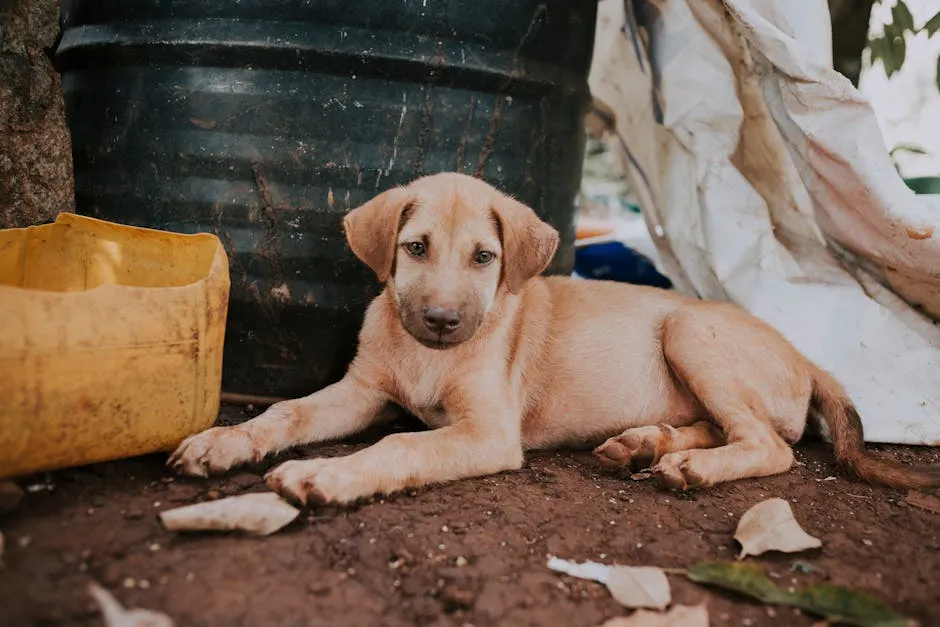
35	149
850	19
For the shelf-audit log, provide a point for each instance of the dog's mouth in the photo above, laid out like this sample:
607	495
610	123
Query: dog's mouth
437	343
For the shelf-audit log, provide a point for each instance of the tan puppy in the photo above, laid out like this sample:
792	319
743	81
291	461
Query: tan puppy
498	361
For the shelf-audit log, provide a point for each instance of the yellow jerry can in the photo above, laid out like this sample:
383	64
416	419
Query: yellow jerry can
110	341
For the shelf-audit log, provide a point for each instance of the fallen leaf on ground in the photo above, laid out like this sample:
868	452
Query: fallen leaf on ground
923	501
259	513
631	586
770	526
115	615
678	616
834	603
587	570
639	586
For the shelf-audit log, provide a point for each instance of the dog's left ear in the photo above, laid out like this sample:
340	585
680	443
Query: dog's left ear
372	229
528	243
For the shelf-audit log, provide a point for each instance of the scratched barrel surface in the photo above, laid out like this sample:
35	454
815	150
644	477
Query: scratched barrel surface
265	122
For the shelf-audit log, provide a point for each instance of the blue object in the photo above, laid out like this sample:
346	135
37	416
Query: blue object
612	261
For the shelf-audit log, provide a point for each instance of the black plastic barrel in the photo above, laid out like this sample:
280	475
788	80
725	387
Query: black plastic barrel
266	121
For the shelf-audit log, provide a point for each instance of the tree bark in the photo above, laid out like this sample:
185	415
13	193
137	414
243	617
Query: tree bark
850	19
35	149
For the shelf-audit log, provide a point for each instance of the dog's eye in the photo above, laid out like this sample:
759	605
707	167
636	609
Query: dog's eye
483	257
416	249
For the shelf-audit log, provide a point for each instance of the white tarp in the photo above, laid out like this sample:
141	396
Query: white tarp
764	180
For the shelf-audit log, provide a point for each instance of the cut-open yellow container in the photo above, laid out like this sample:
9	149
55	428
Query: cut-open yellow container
110	341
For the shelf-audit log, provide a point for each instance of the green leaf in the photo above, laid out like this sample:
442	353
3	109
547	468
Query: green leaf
833	603
902	18
890	50
932	25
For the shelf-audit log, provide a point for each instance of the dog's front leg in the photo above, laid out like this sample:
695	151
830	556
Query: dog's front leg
485	443
341	409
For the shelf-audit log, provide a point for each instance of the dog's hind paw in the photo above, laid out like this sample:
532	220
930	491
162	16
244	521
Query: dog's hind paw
634	448
676	471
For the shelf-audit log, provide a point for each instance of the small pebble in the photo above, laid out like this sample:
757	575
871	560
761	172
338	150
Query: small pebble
143	584
867	542
129	582
10	496
212	494
461	561
157	503
154	547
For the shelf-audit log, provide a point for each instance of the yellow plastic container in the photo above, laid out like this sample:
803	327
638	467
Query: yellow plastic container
110	341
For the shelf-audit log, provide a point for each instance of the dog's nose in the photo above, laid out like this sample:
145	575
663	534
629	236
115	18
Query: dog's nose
441	320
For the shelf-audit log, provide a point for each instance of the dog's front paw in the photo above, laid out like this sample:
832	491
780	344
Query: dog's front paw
213	451
316	482
677	471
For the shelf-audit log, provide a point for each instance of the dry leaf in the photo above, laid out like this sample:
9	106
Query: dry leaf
115	615
587	570
678	616
923	501
632	586
770	526
259	513
639	586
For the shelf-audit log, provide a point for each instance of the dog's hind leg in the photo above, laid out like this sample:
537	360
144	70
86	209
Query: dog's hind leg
750	381
642	447
341	409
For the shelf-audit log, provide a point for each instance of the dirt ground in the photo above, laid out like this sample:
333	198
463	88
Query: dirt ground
469	553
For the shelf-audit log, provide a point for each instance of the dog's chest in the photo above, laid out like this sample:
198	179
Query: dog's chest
419	392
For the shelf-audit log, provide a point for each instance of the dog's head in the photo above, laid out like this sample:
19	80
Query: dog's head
449	247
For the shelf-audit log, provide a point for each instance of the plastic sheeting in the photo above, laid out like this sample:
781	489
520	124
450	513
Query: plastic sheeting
764	180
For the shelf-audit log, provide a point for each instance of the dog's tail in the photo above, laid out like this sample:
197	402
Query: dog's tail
834	405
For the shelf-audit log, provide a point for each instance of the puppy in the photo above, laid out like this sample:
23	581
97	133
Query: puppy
497	360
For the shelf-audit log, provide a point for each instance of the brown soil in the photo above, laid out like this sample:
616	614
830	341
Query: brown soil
397	561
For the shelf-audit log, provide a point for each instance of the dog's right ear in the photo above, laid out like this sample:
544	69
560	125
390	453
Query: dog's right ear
372	229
